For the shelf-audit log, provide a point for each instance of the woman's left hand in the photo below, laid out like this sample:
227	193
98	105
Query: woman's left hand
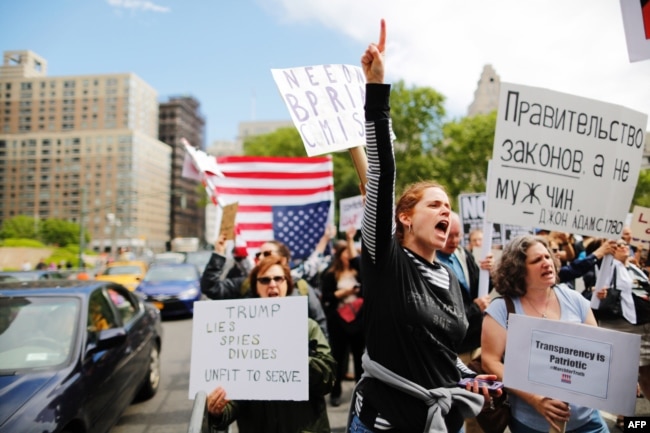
476	387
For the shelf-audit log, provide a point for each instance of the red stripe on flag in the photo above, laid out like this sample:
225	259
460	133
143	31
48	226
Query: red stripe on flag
274	191
251	208
278	175
254	226
301	160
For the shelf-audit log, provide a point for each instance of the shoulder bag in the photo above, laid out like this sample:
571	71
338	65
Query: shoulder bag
610	307
494	419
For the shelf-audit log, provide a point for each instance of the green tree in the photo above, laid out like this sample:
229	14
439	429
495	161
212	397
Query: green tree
462	158
282	142
20	226
59	232
642	191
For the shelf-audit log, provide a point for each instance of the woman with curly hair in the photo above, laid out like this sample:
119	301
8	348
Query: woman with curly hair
527	273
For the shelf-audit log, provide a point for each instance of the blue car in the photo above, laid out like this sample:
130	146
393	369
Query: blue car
74	355
172	288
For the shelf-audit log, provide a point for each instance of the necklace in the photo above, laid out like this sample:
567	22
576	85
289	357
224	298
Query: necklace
548	298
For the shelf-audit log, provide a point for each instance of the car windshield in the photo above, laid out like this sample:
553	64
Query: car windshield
176	273
123	270
37	332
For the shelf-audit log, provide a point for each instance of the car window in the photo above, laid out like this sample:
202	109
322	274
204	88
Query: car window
100	314
37	331
124	303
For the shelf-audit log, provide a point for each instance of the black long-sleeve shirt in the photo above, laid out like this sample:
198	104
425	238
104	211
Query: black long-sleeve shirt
414	314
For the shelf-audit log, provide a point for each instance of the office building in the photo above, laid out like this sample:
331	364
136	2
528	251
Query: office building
84	149
180	118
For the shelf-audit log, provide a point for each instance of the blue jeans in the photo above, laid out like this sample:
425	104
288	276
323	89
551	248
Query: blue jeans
596	424
356	426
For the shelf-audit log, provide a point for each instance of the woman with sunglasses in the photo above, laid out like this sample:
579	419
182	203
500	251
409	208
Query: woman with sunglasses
632	282
272	278
215	286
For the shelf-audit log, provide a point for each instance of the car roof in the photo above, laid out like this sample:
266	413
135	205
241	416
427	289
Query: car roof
52	287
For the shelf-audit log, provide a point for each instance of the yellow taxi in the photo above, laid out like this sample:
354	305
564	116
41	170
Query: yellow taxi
127	273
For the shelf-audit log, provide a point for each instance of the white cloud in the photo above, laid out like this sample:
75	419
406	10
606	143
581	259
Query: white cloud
138	5
575	47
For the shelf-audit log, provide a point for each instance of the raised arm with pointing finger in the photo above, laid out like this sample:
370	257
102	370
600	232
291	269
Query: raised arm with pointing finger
414	314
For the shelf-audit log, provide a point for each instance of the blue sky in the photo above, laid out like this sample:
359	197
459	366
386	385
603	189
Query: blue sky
222	51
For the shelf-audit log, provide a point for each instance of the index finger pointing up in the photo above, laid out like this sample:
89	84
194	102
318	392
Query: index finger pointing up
382	37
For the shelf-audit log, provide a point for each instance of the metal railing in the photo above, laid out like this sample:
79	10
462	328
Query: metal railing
199	419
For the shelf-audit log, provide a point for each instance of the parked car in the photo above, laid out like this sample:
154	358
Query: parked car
172	287
35	275
74	355
198	258
169	257
127	273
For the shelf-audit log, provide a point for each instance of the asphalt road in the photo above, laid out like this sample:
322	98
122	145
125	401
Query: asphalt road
170	409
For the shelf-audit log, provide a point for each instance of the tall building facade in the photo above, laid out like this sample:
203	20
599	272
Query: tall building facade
486	95
84	149
180	118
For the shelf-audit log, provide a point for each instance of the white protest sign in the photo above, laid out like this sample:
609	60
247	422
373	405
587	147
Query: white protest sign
640	226
572	362
562	162
326	105
636	20
351	213
256	349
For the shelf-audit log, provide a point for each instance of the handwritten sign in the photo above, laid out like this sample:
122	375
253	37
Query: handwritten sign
562	162
326	105
256	349
351	213
573	362
228	216
640	226
472	216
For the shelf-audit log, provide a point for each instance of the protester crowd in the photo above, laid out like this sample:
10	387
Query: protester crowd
401	300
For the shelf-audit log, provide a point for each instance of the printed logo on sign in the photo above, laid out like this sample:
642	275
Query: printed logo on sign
566	378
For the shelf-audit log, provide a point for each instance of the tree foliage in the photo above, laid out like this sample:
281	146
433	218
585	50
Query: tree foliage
642	191
51	231
20	226
462	158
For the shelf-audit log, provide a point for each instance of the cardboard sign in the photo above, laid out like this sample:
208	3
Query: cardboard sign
640	226
256	349
562	162
326	105
228	216
572	362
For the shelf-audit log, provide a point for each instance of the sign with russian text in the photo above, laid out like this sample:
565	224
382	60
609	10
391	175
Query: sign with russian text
640	226
326	105
351	213
563	162
256	349
572	362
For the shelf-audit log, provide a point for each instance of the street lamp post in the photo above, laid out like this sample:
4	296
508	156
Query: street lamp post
82	239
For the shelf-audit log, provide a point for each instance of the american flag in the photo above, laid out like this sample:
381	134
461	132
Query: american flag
288	199
566	378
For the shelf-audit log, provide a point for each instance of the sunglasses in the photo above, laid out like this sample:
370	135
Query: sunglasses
621	244
264	253
265	281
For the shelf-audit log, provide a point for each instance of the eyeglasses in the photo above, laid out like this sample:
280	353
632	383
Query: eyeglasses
621	244
264	253
265	281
